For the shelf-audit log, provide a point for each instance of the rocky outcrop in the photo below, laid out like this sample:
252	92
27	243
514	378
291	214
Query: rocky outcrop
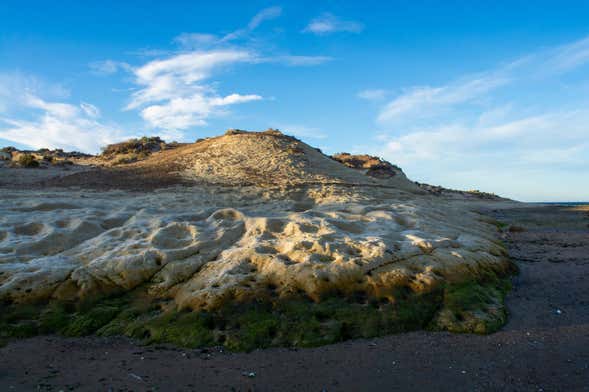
270	220
437	190
203	249
371	165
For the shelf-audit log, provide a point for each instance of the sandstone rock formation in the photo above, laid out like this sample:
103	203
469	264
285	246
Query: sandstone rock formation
371	165
266	218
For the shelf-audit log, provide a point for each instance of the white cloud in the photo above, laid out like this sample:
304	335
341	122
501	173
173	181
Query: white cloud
517	130
173	93
59	125
38	122
183	113
329	23
196	40
501	157
233	99
14	87
426	100
180	75
90	110
463	140
265	14
567	57
178	92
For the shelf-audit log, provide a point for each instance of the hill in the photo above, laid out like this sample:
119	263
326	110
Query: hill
267	242
238	158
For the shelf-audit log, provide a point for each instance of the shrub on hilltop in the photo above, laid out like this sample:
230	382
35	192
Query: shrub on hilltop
28	161
145	145
8	149
374	166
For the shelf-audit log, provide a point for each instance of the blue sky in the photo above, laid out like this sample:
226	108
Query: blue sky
461	94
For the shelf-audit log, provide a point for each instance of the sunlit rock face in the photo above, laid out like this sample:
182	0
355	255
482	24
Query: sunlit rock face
205	247
264	217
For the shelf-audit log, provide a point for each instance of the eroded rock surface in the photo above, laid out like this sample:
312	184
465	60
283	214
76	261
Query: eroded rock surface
205	247
264	218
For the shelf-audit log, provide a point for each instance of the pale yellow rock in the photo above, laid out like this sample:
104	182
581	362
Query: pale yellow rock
202	248
283	220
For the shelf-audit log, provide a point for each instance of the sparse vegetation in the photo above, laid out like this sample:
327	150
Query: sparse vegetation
482	195
134	150
129	158
498	224
516	229
374	166
475	306
145	145
28	161
438	190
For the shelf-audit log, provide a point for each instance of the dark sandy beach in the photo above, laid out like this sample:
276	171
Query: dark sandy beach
543	347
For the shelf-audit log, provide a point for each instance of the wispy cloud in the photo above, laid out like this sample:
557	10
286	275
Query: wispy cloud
568	57
173	92
458	145
183	113
265	14
108	67
510	119
328	23
419	102
178	92
90	110
196	41
14	85
426	100
372	94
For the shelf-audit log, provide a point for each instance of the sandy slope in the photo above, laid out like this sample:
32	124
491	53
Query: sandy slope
245	159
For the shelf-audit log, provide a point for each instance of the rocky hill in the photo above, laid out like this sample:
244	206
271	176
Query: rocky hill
238	158
268	242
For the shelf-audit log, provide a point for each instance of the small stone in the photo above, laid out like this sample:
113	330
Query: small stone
135	376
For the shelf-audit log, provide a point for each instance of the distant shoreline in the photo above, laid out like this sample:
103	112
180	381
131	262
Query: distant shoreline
562	203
